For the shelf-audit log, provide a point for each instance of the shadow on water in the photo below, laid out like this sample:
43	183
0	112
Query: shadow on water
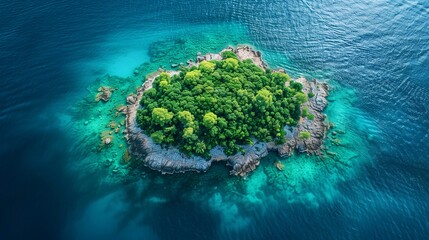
37	191
150	204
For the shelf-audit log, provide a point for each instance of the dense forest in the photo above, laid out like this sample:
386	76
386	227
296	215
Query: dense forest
227	102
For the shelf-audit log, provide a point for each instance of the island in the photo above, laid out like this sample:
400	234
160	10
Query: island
226	106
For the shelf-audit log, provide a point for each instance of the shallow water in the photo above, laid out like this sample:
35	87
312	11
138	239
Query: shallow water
59	182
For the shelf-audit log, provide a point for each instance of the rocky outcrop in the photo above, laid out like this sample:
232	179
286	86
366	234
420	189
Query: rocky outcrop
316	127
104	93
171	160
246	52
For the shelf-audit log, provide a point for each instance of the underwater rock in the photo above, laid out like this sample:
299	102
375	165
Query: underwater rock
279	165
104	93
171	160
122	109
107	141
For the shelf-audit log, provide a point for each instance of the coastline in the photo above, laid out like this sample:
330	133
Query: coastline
171	160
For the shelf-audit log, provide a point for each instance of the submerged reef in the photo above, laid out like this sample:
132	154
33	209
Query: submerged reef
306	136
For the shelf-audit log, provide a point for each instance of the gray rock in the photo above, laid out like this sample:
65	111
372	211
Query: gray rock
131	99
200	58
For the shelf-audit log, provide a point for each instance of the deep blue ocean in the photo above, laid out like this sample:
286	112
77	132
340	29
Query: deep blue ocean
52	53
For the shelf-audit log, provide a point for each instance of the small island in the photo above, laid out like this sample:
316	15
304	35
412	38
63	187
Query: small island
228	107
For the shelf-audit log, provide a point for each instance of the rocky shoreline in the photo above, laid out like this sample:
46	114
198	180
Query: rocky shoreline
171	160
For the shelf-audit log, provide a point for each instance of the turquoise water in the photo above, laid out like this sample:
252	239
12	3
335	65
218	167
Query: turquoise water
60	182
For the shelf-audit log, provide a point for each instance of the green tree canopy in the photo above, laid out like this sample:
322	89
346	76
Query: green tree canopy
301	97
157	136
161	116
224	103
230	64
185	117
209	119
229	54
207	67
264	98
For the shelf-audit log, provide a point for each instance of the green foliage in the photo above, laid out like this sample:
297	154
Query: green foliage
304	112
207	67
280	78
161	116
228	54
304	135
165	76
300	97
263	98
209	119
192	76
307	114
188	132
230	64
227	103
157	136
296	85
200	148
310	94
185	117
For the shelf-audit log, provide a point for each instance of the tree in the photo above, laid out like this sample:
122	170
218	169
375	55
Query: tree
188	132
304	112
164	77
209	119
304	135
157	136
163	84
185	117
207	67
263	98
200	147
300	97
228	54
230	64
192	76
280	78
296	85
161	116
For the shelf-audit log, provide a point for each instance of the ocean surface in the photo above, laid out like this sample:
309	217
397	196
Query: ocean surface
57	181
